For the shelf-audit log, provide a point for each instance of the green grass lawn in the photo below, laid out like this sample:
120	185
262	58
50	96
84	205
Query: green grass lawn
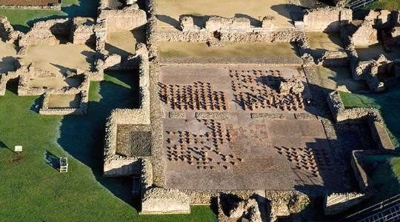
386	4
21	18
386	103
32	190
386	176
384	172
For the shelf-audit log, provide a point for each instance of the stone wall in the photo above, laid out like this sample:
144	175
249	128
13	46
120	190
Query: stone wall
278	36
123	20
365	35
44	32
115	165
4	78
26	72
375	121
359	172
146	176
217	23
165	201
82	31
334	59
338	202
244	210
81	110
326	19
7	33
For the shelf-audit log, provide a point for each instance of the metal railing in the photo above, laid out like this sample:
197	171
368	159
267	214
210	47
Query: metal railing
387	210
359	3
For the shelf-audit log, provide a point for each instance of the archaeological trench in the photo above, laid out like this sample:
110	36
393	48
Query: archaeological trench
257	136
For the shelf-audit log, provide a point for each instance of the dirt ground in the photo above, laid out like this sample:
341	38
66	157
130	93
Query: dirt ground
223	146
56	82
170	10
373	52
331	78
64	101
123	43
7	57
133	140
265	50
322	42
59	58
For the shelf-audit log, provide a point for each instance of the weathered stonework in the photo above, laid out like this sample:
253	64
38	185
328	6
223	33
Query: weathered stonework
365	35
339	202
165	201
375	121
326	19
127	19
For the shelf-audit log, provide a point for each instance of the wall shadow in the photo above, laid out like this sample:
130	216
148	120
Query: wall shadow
52	160
83	136
169	20
7	64
253	21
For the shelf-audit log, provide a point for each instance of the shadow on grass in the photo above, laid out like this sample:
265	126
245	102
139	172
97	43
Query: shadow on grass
83	136
387	103
52	160
84	8
4	146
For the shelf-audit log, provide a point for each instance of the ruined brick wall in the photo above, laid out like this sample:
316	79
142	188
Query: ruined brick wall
44	32
278	36
365	35
338	202
83	31
123	20
7	32
115	165
29	2
217	23
375	121
165	201
326	19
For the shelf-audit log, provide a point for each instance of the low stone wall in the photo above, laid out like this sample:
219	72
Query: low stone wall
359	172
26	72
326	19
278	36
334	59
81	110
339	202
123	20
82	31
365	35
165	201
119	166
280	61
4	78
7	33
245	210
146	176
115	165
43	32
374	118
361	175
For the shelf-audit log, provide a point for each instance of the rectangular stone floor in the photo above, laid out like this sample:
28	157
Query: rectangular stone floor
230	128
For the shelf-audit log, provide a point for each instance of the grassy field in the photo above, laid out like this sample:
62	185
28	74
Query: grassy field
384	172
386	103
252	50
386	176
33	190
22	18
386	4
